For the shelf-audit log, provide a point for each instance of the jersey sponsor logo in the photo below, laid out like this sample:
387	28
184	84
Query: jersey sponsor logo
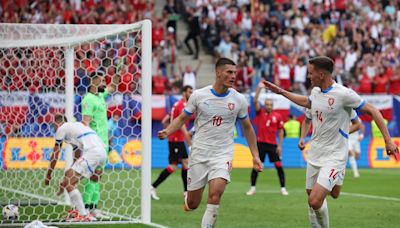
378	157
29	153
231	106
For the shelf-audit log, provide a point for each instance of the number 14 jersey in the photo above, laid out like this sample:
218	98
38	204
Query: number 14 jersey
331	113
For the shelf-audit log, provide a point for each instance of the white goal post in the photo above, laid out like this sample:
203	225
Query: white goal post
44	70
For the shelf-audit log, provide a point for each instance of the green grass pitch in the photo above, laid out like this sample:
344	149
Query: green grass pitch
373	200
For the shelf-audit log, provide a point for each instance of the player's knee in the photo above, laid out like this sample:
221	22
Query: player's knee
314	203
214	198
278	164
172	168
193	203
95	178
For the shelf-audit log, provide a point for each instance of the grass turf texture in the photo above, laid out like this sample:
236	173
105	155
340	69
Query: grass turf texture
354	208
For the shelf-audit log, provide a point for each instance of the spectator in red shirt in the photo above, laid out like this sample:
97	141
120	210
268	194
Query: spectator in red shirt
365	84
160	83
176	142
394	83
157	33
268	124
380	81
282	74
244	77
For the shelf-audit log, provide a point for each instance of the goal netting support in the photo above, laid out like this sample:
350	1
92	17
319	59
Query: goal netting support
44	71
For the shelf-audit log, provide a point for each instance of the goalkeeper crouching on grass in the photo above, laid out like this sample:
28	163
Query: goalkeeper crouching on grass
94	115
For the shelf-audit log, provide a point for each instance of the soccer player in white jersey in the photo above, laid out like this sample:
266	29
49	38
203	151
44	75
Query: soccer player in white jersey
216	107
331	105
355	148
310	181
92	155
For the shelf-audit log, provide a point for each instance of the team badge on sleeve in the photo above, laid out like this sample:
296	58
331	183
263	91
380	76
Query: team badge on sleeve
231	106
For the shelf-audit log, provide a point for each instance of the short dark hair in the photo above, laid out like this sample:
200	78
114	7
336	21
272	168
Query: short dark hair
223	62
186	88
322	63
60	118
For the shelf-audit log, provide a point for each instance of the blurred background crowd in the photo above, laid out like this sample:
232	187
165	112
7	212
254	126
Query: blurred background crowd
269	39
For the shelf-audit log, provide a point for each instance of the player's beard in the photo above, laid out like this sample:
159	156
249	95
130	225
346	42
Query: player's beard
101	89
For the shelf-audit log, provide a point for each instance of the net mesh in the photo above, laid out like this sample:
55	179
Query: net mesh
32	92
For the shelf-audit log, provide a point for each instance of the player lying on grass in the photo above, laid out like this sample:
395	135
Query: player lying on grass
92	156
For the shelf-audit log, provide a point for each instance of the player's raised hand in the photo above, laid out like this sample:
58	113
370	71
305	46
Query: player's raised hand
162	134
257	164
271	86
391	149
301	144
261	84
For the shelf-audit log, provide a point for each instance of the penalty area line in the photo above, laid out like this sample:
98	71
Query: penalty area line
370	196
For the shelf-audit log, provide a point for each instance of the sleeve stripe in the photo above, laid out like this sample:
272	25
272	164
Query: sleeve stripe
354	118
244	117
360	106
343	133
187	112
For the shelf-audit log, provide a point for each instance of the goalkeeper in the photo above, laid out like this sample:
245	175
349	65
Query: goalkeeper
94	114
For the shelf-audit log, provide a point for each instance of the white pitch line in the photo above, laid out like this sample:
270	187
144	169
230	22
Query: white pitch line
33	195
370	196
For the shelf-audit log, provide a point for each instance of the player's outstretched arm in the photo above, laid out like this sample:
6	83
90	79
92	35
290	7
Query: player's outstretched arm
251	141
391	148
298	99
305	127
257	95
176	124
53	162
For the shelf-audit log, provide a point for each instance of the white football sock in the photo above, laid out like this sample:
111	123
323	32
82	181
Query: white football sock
313	218
210	216
77	202
322	215
353	164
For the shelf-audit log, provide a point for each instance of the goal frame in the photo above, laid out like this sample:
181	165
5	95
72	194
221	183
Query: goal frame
146	117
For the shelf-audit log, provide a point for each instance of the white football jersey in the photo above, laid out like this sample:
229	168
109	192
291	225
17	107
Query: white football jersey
79	135
216	116
331	113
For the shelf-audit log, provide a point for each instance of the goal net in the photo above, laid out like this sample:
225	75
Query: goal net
44	71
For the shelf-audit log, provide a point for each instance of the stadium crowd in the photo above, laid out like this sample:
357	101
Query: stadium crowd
273	39
268	39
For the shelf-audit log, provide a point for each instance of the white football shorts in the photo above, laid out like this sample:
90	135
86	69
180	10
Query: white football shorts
90	161
200	174
354	145
327	177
